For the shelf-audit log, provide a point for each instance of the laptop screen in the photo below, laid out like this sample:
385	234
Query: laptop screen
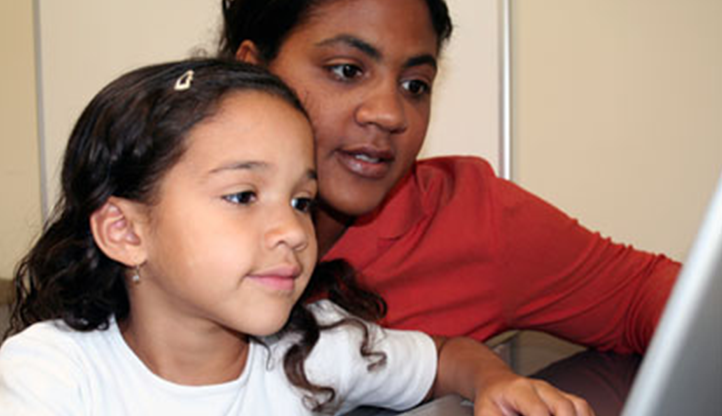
681	373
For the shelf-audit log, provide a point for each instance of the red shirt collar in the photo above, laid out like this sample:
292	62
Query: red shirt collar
401	210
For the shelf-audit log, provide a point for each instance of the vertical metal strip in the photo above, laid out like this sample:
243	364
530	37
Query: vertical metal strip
40	113
506	147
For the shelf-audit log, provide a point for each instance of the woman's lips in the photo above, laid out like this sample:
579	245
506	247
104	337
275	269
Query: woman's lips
367	163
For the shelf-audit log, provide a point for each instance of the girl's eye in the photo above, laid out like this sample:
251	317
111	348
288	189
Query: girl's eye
304	205
345	72
241	198
416	87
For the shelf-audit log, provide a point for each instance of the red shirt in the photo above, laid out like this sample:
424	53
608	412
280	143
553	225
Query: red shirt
456	250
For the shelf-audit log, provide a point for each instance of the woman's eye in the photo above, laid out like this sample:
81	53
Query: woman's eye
304	205
416	87
241	198
345	71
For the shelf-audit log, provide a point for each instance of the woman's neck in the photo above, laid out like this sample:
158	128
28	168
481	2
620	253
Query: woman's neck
330	226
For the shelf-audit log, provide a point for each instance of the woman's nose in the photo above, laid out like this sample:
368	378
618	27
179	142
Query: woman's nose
384	108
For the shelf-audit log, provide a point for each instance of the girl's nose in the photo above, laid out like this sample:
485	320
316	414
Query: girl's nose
289	228
384	108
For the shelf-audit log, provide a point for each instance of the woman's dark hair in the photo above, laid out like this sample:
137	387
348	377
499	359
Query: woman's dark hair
268	23
126	139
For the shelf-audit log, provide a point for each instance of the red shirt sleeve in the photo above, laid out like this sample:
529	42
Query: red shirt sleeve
568	281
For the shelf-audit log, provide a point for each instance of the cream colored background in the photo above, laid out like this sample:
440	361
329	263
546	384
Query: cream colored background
618	112
85	44
19	163
617	104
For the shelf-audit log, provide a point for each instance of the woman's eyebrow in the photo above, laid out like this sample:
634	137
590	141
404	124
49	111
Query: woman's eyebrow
420	60
353	42
374	53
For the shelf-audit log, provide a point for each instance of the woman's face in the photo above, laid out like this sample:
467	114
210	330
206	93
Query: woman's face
364	70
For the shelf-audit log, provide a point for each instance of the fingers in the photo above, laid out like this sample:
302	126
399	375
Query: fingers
581	406
561	403
530	397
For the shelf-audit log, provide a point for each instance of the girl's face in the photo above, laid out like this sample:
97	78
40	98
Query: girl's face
230	241
364	70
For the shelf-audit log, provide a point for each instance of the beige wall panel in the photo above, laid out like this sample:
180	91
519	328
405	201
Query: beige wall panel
467	111
20	218
84	44
618	113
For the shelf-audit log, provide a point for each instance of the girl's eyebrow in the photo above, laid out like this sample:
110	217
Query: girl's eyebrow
256	165
373	52
241	165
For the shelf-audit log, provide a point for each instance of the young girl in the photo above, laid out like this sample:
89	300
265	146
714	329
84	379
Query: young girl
483	254
174	274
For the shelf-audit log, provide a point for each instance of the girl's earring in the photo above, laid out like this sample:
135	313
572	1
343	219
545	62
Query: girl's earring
136	275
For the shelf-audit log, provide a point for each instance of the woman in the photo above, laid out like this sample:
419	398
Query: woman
453	249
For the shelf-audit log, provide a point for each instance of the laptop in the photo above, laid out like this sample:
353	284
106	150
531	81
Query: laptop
681	373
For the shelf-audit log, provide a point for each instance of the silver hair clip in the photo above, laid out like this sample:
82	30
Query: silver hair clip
184	81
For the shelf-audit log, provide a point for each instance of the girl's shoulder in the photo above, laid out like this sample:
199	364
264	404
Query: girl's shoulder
326	311
40	335
342	334
42	368
360	358
351	335
52	343
57	335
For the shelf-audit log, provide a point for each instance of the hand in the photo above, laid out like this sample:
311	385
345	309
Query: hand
510	394
471	370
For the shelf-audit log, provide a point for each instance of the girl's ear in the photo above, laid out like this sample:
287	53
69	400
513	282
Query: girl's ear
115	227
248	53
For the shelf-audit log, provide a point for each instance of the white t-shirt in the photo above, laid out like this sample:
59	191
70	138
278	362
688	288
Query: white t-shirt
49	369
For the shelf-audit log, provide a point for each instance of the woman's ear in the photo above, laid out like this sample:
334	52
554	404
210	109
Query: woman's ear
115	227
248	53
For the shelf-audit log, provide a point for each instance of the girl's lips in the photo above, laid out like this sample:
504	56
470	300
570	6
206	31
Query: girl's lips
281	279
367	163
280	283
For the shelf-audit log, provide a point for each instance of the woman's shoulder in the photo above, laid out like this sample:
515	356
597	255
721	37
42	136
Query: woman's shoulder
442	173
463	180
463	164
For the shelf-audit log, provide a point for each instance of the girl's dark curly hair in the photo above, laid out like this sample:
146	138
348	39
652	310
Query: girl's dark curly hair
126	139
